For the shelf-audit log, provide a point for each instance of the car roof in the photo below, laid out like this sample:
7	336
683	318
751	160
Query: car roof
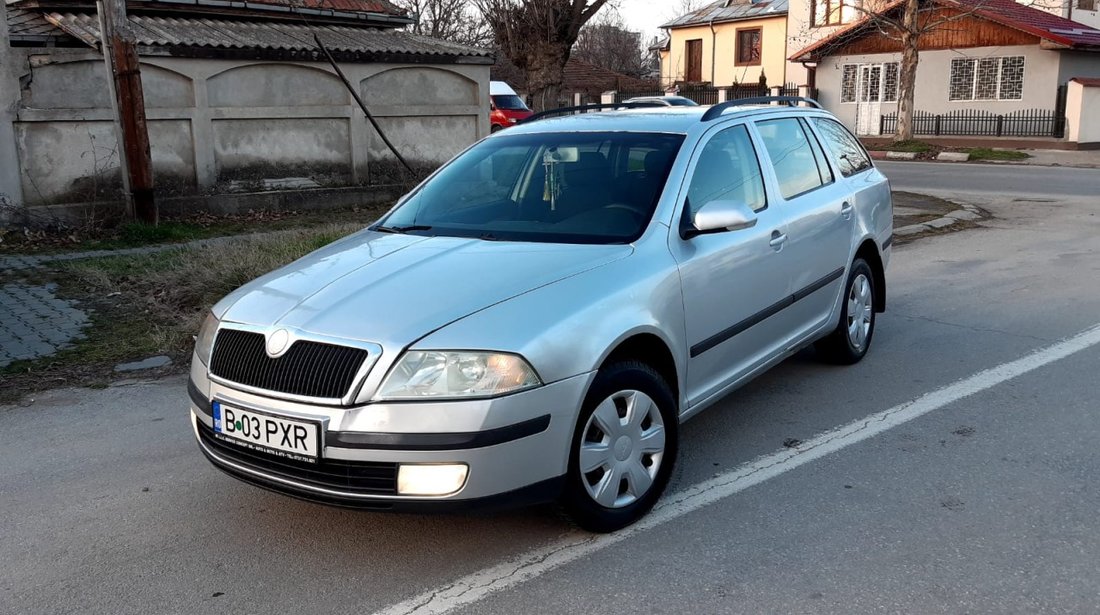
678	120
500	88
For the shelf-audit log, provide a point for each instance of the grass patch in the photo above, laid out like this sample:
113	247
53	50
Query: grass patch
914	145
152	304
987	153
191	228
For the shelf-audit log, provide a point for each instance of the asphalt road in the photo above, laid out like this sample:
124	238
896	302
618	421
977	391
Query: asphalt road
983	502
1000	179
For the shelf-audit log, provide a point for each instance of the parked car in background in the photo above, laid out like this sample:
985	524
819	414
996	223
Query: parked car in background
668	101
505	106
535	320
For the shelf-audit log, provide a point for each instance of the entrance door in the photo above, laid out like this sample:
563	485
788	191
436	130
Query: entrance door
868	101
694	51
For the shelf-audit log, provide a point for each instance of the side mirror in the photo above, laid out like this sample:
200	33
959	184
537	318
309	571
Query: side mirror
722	216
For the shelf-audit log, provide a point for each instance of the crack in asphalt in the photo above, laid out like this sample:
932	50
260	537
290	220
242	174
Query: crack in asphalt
975	329
519	567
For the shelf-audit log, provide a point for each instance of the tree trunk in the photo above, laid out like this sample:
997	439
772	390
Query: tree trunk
545	74
907	72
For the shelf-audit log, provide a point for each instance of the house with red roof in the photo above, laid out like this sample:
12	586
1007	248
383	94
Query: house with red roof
996	68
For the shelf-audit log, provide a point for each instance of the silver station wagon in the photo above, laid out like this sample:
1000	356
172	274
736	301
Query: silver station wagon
535	320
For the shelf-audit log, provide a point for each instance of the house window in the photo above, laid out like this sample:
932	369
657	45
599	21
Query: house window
1086	5
869	83
834	12
848	84
749	46
890	82
694	51
987	78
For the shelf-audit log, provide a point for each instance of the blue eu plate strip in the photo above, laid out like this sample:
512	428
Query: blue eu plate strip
217	407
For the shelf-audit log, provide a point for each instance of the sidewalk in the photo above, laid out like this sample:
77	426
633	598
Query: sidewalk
1086	159
1083	159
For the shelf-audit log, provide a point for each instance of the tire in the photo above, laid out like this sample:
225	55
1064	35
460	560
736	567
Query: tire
848	343
496	128
628	428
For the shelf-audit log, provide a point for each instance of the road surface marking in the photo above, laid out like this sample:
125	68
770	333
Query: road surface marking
575	545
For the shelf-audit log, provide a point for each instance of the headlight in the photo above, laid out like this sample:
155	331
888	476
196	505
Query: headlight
421	374
204	341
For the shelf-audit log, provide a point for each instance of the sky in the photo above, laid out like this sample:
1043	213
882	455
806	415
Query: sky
646	16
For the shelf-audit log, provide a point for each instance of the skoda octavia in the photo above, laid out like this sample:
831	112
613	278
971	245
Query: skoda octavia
535	320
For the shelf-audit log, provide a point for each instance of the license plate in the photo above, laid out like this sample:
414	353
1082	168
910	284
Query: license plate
267	433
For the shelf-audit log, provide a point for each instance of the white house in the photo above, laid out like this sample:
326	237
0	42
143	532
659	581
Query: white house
997	59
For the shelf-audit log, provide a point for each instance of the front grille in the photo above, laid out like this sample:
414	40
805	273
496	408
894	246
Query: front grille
308	369
363	477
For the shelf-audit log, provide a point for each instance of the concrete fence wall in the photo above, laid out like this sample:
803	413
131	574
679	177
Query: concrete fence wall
221	125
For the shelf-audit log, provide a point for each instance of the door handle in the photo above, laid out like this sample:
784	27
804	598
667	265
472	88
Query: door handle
846	210
778	239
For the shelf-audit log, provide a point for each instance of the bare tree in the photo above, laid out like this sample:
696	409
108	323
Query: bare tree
683	7
538	37
450	20
607	43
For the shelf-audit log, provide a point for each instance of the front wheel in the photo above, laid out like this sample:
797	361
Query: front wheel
623	448
848	343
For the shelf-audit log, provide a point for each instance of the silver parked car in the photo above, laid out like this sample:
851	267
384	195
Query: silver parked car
535	320
667	101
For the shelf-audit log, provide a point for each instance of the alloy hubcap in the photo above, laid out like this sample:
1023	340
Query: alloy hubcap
621	449
860	311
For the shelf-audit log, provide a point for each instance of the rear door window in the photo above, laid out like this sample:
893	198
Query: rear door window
792	156
850	156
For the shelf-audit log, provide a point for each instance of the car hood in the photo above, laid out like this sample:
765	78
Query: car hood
394	289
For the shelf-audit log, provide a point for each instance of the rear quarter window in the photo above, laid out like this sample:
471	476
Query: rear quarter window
846	150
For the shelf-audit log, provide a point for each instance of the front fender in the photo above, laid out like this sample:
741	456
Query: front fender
569	327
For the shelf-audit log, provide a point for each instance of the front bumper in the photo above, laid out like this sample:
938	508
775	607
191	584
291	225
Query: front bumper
516	447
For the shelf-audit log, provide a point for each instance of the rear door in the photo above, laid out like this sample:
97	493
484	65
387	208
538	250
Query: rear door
820	219
731	280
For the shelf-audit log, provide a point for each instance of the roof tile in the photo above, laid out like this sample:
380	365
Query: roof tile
234	34
730	10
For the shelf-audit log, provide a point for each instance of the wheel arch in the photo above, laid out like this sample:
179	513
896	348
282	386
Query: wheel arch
869	252
651	349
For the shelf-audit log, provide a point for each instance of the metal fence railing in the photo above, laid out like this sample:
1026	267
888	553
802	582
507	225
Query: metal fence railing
981	123
748	90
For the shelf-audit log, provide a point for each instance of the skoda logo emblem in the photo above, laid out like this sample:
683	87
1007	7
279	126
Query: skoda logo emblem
277	343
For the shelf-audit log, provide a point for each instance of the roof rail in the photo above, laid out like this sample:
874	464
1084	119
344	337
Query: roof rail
586	108
791	101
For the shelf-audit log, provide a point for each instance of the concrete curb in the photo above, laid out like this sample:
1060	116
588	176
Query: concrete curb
968	212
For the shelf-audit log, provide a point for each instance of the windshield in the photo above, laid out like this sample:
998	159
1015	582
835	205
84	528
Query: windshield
551	187
509	102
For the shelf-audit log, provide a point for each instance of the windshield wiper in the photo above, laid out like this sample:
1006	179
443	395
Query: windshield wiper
401	230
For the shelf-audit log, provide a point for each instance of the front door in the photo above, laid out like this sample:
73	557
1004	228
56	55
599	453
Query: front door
694	61
731	280
869	107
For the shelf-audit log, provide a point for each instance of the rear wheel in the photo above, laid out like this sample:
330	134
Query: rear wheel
623	448
849	342
496	128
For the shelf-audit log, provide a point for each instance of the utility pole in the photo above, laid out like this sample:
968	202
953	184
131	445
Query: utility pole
118	45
